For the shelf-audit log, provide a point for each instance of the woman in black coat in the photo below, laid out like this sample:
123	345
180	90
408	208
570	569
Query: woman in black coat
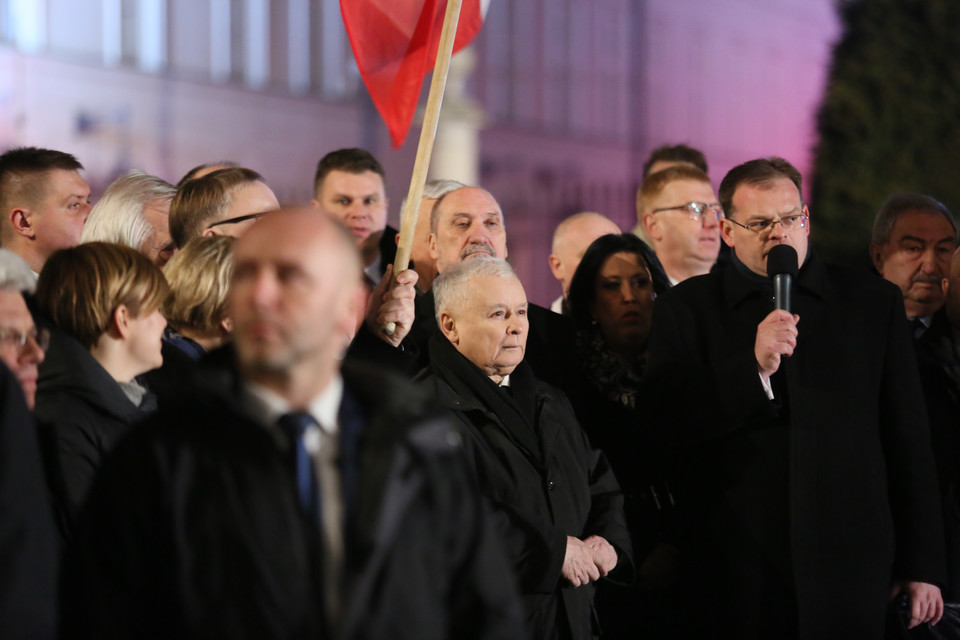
556	501
104	300
611	301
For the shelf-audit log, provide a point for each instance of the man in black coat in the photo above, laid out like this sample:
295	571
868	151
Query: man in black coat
558	506
288	497
809	478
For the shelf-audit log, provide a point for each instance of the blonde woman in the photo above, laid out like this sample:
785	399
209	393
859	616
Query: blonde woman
105	300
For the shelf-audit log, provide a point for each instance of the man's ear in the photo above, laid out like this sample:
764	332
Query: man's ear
945	285
226	325
397	239
555	266
315	203
649	224
20	219
432	242
449	327
876	256
211	232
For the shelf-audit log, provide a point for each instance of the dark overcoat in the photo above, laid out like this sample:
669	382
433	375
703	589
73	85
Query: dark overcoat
569	491
859	499
193	531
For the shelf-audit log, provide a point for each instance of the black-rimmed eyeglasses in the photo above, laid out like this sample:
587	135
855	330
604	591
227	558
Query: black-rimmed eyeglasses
249	216
696	210
788	223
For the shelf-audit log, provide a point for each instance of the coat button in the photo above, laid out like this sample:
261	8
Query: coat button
550	485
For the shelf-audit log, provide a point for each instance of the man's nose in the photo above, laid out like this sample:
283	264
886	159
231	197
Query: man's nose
928	260
710	219
32	351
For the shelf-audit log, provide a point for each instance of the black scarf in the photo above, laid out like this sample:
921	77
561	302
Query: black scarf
515	406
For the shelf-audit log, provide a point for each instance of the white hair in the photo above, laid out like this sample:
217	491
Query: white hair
450	287
118	215
15	274
433	189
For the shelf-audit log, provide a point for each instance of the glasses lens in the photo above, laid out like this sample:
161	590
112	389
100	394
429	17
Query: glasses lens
43	339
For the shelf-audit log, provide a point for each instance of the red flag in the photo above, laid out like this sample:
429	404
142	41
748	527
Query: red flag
395	44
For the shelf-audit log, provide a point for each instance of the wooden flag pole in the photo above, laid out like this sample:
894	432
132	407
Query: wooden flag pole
411	211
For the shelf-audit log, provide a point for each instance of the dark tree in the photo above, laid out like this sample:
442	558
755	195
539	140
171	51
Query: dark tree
890	120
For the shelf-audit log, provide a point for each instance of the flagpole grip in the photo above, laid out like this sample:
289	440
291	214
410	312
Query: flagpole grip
438	83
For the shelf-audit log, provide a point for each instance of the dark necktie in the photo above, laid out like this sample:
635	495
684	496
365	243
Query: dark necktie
917	328
294	426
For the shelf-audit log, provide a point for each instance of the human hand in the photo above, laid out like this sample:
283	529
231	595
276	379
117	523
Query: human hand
393	304
776	337
926	603
578	565
604	555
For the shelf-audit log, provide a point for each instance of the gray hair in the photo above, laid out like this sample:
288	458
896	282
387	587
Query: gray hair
434	189
118	215
449	289
900	203
15	274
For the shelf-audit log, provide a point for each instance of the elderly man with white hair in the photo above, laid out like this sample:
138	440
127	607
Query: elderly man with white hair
134	211
558	506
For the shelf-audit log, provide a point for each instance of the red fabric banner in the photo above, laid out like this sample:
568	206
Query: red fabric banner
395	44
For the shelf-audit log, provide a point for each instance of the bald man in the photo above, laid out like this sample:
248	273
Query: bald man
570	241
333	505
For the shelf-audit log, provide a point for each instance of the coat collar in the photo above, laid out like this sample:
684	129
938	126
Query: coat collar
811	280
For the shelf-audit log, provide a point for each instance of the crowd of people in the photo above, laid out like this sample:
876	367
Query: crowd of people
207	432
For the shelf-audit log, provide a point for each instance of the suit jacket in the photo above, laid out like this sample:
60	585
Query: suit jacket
193	531
848	432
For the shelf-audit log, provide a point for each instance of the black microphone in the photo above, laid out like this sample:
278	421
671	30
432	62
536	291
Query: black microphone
782	267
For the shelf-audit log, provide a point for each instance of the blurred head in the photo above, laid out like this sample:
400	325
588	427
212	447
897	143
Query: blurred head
424	263
44	203
570	241
225	202
349	185
295	295
953	291
764	207
672	155
21	346
482	310
465	223
102	293
199	279
133	211
204	169
613	288
681	216
914	238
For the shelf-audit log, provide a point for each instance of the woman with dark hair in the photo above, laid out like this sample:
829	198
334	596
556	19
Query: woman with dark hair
105	300
611	301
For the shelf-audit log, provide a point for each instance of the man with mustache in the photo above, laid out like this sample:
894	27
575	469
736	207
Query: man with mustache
914	237
465	223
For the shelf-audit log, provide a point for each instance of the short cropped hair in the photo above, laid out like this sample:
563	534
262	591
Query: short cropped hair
655	183
118	215
450	290
675	153
199	278
761	173
900	203
202	201
80	288
15	273
346	160
23	174
191	175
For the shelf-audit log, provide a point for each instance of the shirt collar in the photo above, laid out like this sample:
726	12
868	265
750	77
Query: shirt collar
267	406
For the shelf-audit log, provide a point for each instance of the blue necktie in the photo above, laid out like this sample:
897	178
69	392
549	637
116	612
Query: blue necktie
295	426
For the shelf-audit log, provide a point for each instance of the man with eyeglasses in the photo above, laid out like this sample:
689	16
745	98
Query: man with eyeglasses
222	203
21	345
681	217
805	464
